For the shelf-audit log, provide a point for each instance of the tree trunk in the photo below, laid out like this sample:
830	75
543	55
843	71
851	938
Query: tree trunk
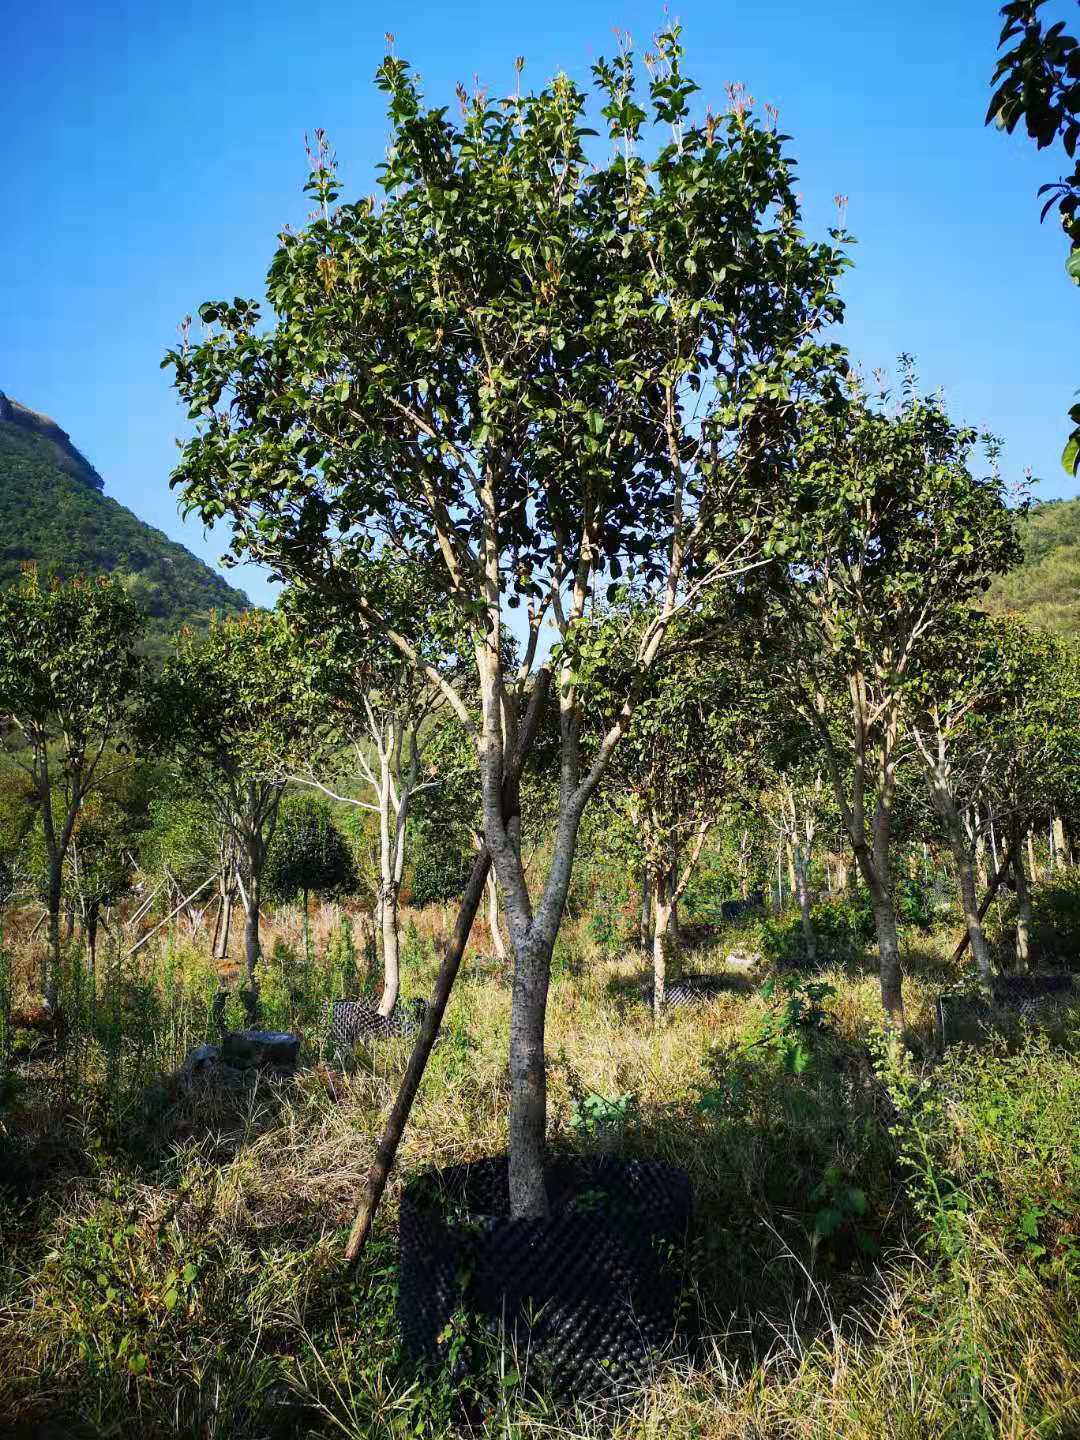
91	941
251	933
388	910
222	949
965	871
663	941
1024	958
645	922
892	998
1032	863
879	880
802	890
497	942
51	975
528	1079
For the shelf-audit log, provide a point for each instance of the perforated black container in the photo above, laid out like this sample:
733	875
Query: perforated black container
586	1301
690	990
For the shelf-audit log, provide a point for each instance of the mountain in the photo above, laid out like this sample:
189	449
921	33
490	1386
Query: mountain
1045	588
53	512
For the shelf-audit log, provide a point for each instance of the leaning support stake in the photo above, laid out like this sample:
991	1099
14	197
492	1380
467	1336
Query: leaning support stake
995	885
387	1148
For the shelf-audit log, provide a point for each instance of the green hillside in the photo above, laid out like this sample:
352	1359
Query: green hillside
53	512
1045	588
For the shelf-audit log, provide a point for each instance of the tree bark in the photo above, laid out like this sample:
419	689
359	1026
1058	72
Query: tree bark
645	920
1024	958
252	950
802	890
976	938
51	976
388	910
663	941
497	942
222	949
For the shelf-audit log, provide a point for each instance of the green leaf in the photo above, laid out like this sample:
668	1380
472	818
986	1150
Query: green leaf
1070	456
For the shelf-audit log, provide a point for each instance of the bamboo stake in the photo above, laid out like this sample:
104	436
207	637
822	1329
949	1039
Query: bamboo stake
168	917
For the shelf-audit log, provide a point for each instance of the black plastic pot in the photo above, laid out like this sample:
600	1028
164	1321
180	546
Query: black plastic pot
585	1301
690	990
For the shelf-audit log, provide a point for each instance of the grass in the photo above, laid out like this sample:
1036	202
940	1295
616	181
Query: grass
884	1245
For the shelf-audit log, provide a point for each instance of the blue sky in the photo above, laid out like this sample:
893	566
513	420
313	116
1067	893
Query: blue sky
153	152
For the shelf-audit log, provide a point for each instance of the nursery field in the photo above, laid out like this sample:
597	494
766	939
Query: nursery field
883	1243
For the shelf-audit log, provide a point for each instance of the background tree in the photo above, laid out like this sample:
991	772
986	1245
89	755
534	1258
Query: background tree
690	744
225	711
1032	737
1038	81
531	374
372	707
308	853
68	673
889	531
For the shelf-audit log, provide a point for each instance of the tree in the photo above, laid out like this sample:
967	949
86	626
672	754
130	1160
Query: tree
889	530
1038	81
958	687
372	707
224	710
68	673
690	743
308	852
1032	739
533	376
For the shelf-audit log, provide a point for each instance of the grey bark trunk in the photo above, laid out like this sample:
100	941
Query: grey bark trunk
969	897
1024	959
663	942
51	975
222	948
645	921
802	890
388	910
497	942
252	949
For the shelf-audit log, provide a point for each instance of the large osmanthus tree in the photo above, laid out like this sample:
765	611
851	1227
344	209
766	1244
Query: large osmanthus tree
534	370
68	674
889	530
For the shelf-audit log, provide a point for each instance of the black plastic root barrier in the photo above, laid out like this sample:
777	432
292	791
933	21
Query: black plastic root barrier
1012	997
584	1302
690	990
353	1021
